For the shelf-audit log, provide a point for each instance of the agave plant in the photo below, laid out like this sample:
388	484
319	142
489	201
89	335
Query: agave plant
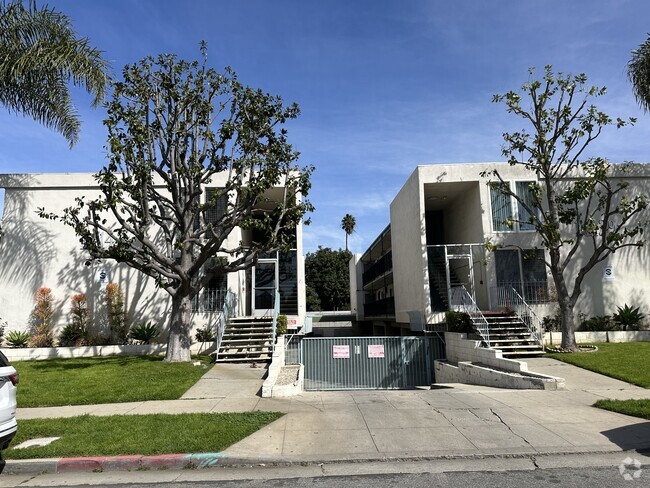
629	318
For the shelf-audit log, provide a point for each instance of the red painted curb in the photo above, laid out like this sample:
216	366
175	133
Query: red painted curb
115	463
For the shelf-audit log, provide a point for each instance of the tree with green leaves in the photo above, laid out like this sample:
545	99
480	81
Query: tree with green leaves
348	225
327	274
193	155
580	211
40	55
638	71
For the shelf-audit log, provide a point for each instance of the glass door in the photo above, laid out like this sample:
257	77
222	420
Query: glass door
265	279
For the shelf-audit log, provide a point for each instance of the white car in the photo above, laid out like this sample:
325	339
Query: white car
8	382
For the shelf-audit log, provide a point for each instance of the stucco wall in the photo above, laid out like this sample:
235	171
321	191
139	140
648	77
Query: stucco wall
408	242
35	252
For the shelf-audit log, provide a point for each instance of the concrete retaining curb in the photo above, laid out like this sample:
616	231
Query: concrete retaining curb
114	463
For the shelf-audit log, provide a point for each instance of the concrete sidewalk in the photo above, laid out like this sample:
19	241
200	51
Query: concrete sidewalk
453	420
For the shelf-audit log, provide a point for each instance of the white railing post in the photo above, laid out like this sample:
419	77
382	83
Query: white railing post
462	301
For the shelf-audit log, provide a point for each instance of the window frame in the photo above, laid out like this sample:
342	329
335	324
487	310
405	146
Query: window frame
514	208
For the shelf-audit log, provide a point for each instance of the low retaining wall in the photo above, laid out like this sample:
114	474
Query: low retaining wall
40	353
468	362
270	388
602	336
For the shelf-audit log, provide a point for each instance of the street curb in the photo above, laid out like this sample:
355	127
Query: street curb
210	460
112	463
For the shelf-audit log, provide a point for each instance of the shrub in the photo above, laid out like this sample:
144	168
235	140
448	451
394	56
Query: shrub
628	318
281	325
3	326
41	319
144	332
458	322
205	334
76	332
116	317
598	323
552	323
17	338
99	339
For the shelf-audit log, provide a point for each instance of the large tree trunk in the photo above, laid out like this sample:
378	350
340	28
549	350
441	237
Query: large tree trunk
568	324
178	344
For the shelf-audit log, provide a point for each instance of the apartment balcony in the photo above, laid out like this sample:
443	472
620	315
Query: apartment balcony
380	308
378	269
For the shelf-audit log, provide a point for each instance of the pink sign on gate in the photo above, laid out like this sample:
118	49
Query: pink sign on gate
376	351
341	352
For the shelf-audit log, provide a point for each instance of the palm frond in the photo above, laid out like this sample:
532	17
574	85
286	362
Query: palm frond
638	71
40	55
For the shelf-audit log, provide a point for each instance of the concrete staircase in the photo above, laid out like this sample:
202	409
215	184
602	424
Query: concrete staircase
247	340
510	334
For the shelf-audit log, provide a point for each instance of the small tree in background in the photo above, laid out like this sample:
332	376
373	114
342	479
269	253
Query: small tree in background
41	319
116	315
76	332
327	274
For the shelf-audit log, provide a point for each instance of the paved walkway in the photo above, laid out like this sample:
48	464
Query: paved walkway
457	420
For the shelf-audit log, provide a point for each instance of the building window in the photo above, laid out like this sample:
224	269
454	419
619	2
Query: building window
501	208
525	271
215	212
212	297
508	214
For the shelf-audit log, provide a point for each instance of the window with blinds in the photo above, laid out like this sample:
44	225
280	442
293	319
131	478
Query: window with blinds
504	210
501	208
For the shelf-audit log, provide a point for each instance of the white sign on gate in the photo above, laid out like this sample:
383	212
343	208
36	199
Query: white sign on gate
608	273
341	352
376	351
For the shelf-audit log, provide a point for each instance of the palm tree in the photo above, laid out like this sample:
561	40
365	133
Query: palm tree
638	71
40	55
348	224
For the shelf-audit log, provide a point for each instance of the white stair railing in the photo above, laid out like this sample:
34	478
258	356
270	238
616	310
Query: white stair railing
276	312
223	318
525	313
462	301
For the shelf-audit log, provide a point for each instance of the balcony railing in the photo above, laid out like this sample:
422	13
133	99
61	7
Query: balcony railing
383	265
533	292
380	308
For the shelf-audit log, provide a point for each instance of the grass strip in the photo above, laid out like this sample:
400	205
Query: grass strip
635	408
115	379
624	361
137	434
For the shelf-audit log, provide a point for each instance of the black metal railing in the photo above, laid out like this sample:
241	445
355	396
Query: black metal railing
384	307
383	265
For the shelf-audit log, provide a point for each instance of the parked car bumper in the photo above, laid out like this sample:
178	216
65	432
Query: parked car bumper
7	433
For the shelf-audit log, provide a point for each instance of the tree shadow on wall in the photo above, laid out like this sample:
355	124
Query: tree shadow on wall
26	246
143	302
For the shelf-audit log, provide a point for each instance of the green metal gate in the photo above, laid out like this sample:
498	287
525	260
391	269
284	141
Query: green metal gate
346	363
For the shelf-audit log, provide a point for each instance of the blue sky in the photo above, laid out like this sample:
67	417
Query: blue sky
383	85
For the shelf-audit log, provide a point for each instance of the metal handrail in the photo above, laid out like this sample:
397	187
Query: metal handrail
224	316
276	312
462	301
525	313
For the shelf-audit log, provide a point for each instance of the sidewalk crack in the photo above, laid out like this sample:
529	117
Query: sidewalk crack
510	429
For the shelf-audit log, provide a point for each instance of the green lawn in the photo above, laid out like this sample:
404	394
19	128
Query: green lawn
137	434
85	381
625	361
636	408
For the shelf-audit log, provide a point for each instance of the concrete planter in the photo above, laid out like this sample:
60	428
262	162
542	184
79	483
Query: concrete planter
601	336
40	353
